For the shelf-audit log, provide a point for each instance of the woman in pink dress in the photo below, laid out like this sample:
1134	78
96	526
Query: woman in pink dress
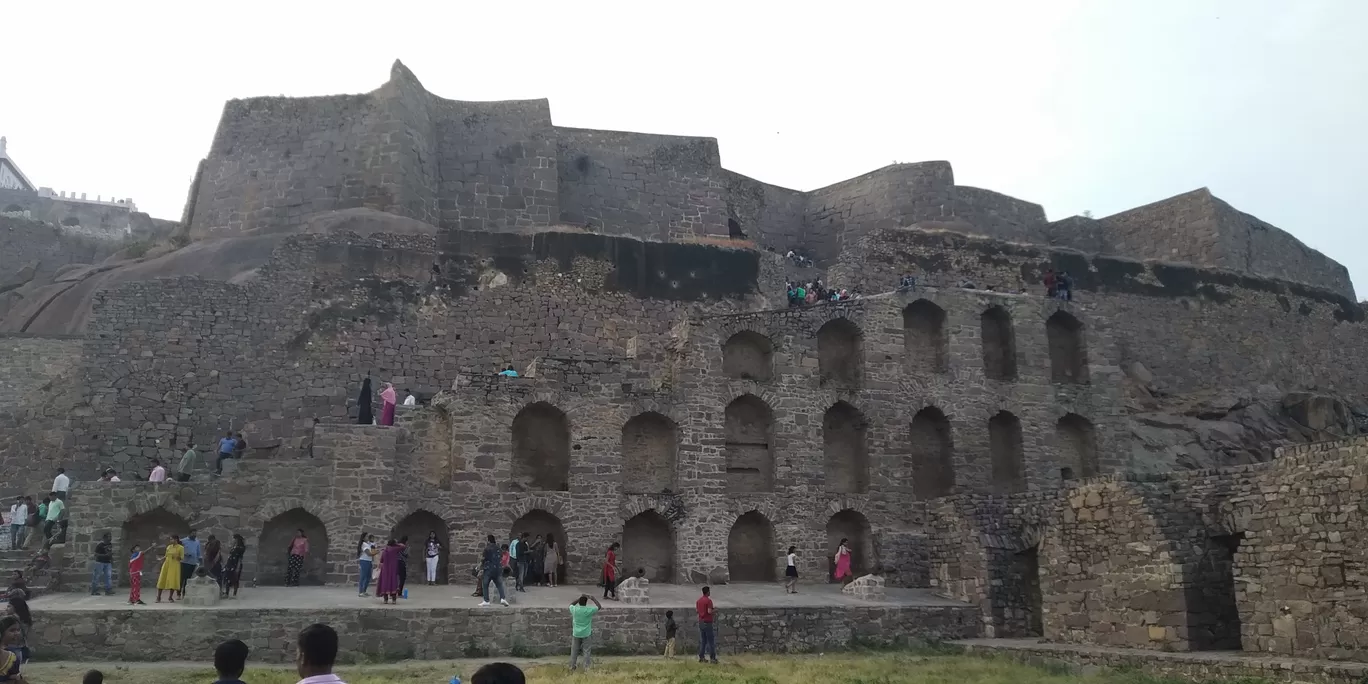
843	562
388	589
389	398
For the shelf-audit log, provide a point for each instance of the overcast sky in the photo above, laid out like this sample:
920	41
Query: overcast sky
1096	105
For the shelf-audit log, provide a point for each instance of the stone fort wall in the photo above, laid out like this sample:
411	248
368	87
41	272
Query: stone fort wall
505	166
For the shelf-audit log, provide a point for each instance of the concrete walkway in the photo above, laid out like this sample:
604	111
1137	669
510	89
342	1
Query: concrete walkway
756	595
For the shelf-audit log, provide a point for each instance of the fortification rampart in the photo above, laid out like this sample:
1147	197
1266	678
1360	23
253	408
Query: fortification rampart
498	166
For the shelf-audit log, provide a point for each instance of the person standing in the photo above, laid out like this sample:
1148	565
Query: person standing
610	572
299	548
232	570
54	515
388	399
581	628
135	571
11	665
552	562
514	548
213	560
524	560
317	654
158	472
188	463
102	567
403	562
18	519
365	415
388	589
170	579
409	399
707	638
843	572
365	558
670	630
19	608
61	484
226	446
492	571
31	524
191	561
432	553
791	571
536	567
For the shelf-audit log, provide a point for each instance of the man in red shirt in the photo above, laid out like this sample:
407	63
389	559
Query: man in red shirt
707	638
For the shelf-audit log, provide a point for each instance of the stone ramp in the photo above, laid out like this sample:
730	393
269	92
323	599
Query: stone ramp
1193	665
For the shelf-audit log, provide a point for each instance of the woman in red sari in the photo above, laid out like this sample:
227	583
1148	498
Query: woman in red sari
388	588
389	398
135	570
610	572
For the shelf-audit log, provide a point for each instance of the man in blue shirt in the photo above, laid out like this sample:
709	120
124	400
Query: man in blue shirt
225	450
509	372
492	571
191	560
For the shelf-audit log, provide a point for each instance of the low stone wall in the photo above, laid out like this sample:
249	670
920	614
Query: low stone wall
1197	667
143	635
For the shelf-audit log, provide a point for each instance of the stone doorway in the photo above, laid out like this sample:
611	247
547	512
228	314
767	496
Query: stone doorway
748	434
751	552
650	443
1005	451
932	465
416	526
1213	613
648	543
853	526
273	548
748	356
924	340
839	356
999	345
1068	352
538	521
845	450
146	529
541	449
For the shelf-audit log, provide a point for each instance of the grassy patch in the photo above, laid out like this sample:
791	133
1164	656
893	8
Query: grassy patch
847	668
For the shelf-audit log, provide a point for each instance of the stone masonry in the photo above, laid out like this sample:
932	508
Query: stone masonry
969	435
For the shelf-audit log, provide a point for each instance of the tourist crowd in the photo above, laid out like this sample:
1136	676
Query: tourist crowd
813	292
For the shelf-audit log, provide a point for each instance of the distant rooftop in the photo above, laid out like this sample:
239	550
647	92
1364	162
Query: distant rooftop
10	175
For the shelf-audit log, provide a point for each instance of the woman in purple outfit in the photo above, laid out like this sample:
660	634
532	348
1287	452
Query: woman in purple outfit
388	589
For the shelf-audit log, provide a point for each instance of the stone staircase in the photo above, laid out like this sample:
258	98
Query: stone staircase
18	559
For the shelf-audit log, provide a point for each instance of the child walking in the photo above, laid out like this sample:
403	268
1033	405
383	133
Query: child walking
670	629
791	572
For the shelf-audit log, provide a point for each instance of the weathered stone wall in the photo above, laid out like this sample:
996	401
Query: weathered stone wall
91	220
462	632
1198	228
1194	329
39	382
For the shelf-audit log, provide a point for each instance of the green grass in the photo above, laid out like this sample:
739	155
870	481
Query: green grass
845	668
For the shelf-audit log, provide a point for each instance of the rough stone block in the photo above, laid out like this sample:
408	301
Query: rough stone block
867	588
201	591
635	590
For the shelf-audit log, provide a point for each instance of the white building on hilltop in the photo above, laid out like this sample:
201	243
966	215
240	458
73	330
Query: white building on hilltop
11	178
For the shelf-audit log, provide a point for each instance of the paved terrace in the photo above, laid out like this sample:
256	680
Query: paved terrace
422	597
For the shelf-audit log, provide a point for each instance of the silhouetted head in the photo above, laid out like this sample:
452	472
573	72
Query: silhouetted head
707	591
317	650
230	659
498	673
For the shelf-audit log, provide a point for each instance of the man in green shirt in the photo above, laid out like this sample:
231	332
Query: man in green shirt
187	464
54	514
582	626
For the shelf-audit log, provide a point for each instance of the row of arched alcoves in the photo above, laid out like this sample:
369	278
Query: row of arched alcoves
750	355
648	541
650	443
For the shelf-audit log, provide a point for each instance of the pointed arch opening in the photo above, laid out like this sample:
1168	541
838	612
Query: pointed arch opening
538	521
1077	445
749	431
845	449
416	526
541	449
1068	349
273	549
648	543
839	354
999	344
650	444
852	526
748	355
924	338
932	454
750	549
146	529
1005	450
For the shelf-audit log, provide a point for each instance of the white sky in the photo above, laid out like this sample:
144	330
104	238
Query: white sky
1078	105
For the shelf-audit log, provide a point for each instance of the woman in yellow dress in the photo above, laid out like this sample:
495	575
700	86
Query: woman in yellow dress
170	577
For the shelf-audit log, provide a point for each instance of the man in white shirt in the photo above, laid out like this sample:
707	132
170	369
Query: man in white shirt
410	400
114	475
61	484
317	653
18	518
158	472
